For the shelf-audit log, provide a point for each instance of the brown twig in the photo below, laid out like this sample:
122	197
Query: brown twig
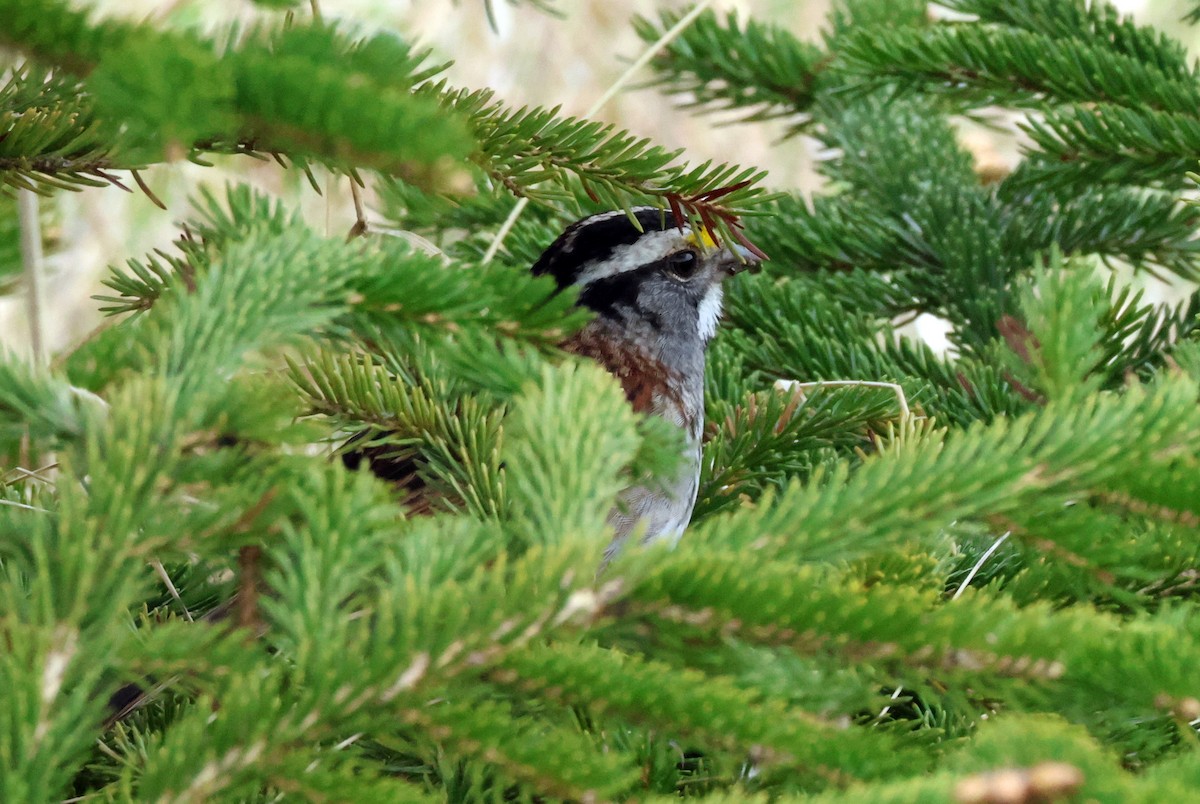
249	575
137	177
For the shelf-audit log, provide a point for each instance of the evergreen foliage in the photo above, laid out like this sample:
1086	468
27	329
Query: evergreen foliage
990	581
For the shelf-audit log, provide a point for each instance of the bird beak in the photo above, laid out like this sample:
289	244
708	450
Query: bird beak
740	259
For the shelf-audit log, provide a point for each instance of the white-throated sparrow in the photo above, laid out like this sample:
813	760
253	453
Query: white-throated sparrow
656	290
655	287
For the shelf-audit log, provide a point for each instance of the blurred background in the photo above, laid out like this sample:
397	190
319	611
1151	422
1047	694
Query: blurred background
531	57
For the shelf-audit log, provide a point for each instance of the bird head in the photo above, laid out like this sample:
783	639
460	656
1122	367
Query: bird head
653	277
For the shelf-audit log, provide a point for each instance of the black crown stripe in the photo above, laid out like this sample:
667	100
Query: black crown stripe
594	239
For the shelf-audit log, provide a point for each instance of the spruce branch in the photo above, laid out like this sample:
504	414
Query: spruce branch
49	684
653	693
537	154
721	64
1094	22
332	546
871	624
84	558
609	93
779	605
547	501
840	233
558	761
1011	754
404	658
42	406
302	90
49	135
1113	333
1057	345
1086	551
1105	143
844	18
445	447
240	752
1061	450
1136	226
774	435
52	32
382	287
307	90
800	328
1014	67
1157	336
251	104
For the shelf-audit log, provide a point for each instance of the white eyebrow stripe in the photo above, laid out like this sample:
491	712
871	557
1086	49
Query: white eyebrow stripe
650	247
615	213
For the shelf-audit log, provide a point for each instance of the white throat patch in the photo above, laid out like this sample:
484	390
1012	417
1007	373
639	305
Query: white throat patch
710	312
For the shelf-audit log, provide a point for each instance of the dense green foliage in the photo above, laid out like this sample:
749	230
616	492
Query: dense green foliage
881	598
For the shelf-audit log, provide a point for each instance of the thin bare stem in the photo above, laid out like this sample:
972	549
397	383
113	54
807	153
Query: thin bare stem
31	260
505	228
649	53
979	564
895	696
360	213
15	504
328	203
901	400
641	61
958	593
161	571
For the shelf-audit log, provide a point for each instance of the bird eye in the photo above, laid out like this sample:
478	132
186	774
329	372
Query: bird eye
682	265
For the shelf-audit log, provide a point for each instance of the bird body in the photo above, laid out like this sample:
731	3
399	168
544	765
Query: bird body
672	391
655	287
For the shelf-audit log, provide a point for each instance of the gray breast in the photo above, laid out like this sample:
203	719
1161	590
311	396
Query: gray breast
661	512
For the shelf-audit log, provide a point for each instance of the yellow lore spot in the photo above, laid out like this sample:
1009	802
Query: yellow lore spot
702	239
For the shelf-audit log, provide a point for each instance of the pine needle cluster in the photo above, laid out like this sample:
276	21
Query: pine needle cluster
911	576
